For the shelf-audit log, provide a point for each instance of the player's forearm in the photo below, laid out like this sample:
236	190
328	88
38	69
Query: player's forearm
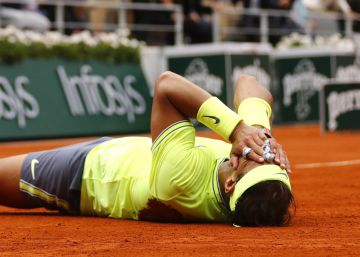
194	102
185	96
253	102
176	98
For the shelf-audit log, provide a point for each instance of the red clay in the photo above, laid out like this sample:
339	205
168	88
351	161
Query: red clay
327	221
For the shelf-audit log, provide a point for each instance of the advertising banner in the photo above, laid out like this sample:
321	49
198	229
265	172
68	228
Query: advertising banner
347	68
207	71
254	65
257	65
55	98
216	67
340	106
299	81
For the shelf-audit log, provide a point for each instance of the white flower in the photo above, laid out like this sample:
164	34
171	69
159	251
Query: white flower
124	41
52	38
134	43
123	32
346	45
319	41
334	41
33	37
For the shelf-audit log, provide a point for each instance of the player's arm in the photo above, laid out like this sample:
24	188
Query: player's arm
176	99
254	103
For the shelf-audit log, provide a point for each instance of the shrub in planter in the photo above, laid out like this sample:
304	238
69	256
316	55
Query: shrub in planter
17	45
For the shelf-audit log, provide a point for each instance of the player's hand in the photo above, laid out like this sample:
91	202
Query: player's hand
242	136
281	158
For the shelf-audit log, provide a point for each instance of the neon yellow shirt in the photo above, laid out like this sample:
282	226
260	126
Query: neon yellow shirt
122	175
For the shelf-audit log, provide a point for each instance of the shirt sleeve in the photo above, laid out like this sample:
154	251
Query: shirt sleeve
179	168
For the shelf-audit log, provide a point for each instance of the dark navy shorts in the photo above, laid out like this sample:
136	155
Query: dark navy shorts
53	178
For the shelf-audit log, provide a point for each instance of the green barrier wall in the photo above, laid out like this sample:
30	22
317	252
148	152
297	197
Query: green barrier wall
300	80
208	72
55	98
216	67
294	77
300	75
340	106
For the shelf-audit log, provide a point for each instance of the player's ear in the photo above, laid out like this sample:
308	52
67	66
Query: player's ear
230	183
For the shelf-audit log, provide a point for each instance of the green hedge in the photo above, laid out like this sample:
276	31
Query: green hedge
16	45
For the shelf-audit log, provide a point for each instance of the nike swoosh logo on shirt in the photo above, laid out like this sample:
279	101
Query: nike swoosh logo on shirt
216	119
33	164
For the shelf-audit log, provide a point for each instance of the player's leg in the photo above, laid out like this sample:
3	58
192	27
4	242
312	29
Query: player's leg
49	179
10	194
247	86
256	113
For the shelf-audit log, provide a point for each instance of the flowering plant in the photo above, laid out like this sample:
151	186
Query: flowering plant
17	45
335	41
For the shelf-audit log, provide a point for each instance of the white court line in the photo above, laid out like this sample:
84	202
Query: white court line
326	164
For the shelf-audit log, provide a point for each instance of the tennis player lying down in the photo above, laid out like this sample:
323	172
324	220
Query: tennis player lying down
175	177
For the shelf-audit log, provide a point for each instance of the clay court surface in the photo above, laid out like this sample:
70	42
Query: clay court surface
326	183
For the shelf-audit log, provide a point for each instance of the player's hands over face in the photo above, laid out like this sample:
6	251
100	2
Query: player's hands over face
281	158
244	135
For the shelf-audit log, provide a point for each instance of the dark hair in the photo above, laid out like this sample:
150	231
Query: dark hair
267	203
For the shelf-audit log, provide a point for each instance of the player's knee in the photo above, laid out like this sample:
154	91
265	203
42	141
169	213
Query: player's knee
248	86
244	78
164	78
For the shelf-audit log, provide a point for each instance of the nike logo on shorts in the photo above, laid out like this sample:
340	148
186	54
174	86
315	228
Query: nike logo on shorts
216	119
33	164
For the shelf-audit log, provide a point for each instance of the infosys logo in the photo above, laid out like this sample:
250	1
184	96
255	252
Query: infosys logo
16	103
